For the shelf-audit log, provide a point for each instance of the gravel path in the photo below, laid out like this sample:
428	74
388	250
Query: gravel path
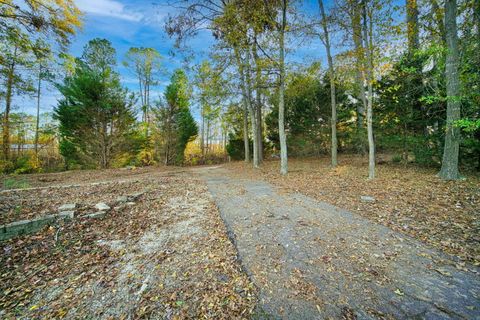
311	260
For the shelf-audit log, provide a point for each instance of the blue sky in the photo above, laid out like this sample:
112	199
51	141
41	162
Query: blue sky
136	23
125	23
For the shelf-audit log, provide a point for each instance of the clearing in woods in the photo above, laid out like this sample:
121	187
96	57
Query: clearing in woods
167	254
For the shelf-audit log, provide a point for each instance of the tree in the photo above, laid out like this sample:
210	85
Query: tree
369	49
15	50
146	64
449	170
281	90
42	56
359	53
95	114
99	56
331	75
60	18
412	26
175	122
212	91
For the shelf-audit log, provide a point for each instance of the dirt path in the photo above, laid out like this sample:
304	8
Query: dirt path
311	260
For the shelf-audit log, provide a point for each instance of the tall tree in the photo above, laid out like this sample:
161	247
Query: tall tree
412	26
211	91
176	124
449	170
95	114
331	73
368	38
359	52
146	64
281	92
42	55
15	50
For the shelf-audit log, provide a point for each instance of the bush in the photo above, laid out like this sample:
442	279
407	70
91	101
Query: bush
397	158
6	166
146	157
236	148
27	164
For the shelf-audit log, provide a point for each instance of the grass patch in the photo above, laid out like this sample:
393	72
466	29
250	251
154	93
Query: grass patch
11	183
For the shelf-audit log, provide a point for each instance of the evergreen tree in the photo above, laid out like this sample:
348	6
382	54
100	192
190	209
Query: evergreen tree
96	114
175	122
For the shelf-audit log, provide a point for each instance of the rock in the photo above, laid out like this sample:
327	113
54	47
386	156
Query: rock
135	196
130	203
122	199
102	206
66	214
67	207
97	215
367	199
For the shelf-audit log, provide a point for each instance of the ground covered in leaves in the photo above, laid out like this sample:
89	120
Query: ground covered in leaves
166	256
408	199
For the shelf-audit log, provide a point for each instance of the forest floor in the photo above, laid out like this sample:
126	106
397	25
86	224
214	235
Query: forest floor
311	260
167	255
408	199
294	255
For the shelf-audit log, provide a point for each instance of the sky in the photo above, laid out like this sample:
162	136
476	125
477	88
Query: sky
139	23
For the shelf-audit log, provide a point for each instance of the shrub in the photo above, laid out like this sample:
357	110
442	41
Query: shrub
27	164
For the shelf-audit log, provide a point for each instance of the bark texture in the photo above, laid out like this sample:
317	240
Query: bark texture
449	170
331	71
281	100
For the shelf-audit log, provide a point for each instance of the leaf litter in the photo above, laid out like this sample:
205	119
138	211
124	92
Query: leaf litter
168	256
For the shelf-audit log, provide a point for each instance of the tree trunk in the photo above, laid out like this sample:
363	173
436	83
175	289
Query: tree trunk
281	100
359	75
245	84
253	113
331	71
412	26
449	170
8	106
438	17
245	131
258	100
202	137
259	129
207	137
37	124
368	37
476	17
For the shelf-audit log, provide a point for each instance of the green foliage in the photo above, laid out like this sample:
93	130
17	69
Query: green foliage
15	183
96	114
307	113
187	131
236	147
26	164
176	126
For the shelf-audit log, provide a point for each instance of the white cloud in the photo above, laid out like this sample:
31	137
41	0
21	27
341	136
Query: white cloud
108	8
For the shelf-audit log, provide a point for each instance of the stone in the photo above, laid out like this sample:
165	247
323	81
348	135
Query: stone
66	214
130	203
122	199
22	227
97	215
67	207
102	206
367	199
135	196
